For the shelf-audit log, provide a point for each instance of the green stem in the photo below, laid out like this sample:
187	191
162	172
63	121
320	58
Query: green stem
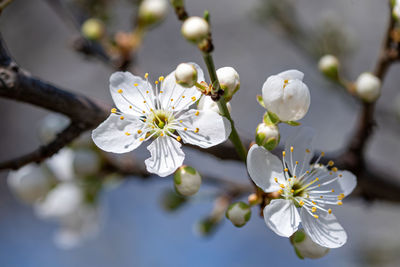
234	137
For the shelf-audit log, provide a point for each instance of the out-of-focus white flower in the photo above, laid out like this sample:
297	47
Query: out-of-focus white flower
368	87
29	183
286	95
195	29
303	188
86	162
50	126
162	114
396	9
305	247
267	136
238	213
186	75
93	29
329	65
206	103
61	165
229	80
187	181
152	11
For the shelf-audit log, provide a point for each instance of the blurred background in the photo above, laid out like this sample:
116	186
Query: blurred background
136	230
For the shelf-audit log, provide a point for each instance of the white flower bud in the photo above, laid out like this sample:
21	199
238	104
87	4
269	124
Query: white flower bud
186	75
86	162
329	66
93	29
368	87
238	213
152	11
267	136
206	103
286	95
50	126
396	9
305	247
229	81
29	183
187	181
195	29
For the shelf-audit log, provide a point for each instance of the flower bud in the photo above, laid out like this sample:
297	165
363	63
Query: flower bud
206	103
29	183
86	162
238	213
286	95
229	81
93	29
187	181
186	75
253	199
396	9
206	226
195	29
329	66
267	136
171	201
368	87
152	11
305	247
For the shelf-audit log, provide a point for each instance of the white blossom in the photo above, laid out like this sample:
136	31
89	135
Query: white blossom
307	193
368	86
162	114
206	103
286	95
396	9
195	29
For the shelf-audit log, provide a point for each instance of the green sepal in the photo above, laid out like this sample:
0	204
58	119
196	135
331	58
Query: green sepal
271	144
206	15
292	123
298	253
271	118
298	236
260	100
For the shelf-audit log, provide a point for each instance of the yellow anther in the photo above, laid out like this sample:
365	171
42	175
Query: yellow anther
141	139
122	117
178	138
135	84
291	149
180	121
193	98
113	110
127	134
147	91
340	175
283	153
146	75
333	190
139	131
197	130
308	150
301	203
330	211
292	190
173	107
197	113
120	91
130	107
307	172
313	209
334	169
161	134
297	162
319	185
316	179
161	92
316	216
183	96
282	185
161	78
286	169
290	179
293	177
280	191
143	112
322	154
172	99
321	196
330	163
156	82
313	202
144	120
276	179
144	101
185	129
330	173
340	203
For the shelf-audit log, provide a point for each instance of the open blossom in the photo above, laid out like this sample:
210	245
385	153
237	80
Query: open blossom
163	114
308	193
286	95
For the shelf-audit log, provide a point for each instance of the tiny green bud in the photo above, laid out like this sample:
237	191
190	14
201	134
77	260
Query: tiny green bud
267	136
171	201
329	66
229	81
305	247
152	12
195	29
368	87
186	75
187	181
238	213
207	226
93	29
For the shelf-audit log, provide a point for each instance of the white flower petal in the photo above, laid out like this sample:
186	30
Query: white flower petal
166	156
344	184
291	75
112	134
181	97
213	129
62	165
325	231
282	217
301	142
131	99
264	167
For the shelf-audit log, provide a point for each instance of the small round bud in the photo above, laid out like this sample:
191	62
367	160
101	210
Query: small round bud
86	162
229	81
29	183
195	29
329	66
206	103
267	136
93	29
238	213
186	75
152	11
368	87
305	247
187	181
